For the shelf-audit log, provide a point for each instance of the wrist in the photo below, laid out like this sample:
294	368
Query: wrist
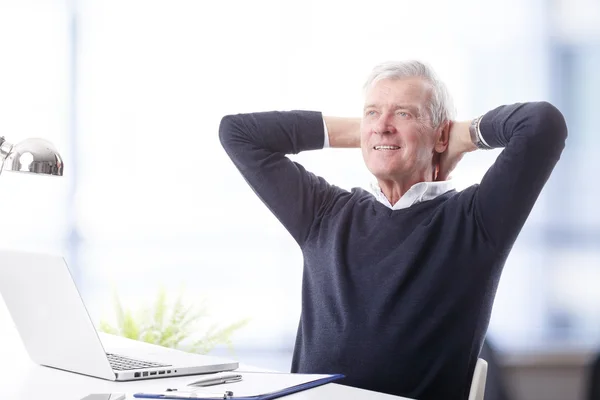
466	144
475	134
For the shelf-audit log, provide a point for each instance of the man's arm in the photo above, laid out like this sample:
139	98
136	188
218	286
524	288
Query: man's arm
258	143
343	132
533	136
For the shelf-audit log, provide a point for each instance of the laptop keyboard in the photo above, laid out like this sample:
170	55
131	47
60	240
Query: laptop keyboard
120	363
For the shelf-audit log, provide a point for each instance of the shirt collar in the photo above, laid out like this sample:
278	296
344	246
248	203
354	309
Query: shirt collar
419	192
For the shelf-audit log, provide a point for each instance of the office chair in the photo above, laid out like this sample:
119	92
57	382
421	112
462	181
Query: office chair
594	379
477	390
495	387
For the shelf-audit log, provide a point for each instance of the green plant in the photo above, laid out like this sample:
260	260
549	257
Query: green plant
175	325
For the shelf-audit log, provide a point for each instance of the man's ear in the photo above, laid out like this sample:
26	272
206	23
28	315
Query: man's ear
442	137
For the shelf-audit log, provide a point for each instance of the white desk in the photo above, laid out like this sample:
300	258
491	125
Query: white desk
25	380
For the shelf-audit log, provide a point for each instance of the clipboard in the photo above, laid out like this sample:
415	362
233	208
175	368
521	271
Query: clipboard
227	395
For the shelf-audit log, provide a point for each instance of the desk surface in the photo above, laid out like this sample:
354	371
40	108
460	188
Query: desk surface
21	379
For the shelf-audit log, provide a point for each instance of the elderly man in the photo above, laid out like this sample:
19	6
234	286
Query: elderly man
398	285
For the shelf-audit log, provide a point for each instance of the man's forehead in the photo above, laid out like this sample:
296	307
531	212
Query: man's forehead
385	88
410	90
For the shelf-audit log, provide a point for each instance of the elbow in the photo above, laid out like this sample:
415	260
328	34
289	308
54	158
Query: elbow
551	122
227	129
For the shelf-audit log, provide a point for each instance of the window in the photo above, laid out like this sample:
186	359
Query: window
132	93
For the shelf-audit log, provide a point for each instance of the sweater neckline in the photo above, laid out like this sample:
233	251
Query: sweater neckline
379	207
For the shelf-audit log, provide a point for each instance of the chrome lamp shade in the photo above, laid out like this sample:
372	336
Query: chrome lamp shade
37	156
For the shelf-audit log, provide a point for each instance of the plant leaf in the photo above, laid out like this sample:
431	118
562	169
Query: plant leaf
105	327
160	308
170	325
216	336
131	329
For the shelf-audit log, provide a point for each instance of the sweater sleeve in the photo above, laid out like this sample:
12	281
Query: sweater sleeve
533	136
258	143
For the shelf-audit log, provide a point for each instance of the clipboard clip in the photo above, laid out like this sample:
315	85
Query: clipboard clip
227	395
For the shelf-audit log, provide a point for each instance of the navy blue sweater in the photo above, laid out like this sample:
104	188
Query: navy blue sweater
397	300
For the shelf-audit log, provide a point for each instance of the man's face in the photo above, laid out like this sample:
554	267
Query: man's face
397	138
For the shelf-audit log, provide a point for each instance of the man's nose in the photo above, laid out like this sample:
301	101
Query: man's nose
384	125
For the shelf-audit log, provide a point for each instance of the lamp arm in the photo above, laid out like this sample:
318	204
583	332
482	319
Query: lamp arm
5	149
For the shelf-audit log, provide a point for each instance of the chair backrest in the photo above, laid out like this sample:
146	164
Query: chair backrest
594	379
478	382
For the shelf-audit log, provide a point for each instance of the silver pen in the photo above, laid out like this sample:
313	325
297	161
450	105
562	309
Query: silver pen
217	379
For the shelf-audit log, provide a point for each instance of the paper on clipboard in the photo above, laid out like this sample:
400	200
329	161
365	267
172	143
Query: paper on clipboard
183	394
254	385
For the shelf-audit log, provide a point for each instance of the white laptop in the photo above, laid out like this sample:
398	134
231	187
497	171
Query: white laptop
57	331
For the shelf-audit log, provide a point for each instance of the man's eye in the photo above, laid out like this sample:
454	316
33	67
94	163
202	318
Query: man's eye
371	113
402	114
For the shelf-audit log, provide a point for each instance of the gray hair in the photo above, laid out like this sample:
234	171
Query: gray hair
441	107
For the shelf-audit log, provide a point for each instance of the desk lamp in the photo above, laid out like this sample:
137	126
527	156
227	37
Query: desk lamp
36	156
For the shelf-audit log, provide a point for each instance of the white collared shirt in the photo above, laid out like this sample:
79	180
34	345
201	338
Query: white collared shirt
417	193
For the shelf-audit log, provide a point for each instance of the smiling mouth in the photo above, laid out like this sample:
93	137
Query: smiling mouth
386	147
